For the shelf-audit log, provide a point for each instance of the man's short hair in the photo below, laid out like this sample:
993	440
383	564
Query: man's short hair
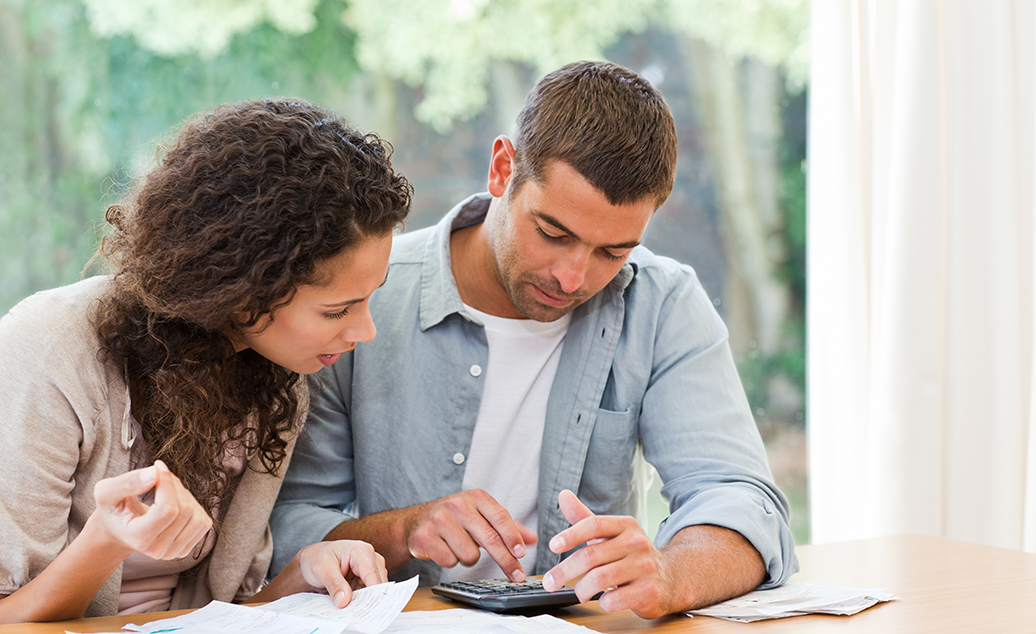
606	122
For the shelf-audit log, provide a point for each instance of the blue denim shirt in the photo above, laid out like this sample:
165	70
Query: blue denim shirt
645	360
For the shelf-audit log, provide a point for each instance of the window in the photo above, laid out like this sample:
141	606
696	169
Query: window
91	85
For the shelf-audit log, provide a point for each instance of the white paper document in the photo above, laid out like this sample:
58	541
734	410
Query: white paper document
374	610
796	598
369	612
464	621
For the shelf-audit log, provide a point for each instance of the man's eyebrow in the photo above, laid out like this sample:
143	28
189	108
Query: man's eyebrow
351	302
554	222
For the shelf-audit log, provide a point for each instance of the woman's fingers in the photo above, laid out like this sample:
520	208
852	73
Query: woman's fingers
168	529
117	492
330	565
176	521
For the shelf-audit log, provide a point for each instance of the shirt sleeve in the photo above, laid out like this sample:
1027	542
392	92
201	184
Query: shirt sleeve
46	423
319	489
698	431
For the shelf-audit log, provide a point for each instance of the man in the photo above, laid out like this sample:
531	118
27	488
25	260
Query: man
528	344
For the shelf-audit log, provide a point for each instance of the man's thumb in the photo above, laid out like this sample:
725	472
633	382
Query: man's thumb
574	510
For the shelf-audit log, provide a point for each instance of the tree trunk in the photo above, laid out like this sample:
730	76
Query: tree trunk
739	112
508	88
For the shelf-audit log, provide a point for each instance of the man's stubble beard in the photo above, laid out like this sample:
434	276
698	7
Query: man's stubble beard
517	284
518	287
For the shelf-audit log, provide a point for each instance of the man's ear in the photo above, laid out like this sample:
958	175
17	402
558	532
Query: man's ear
501	166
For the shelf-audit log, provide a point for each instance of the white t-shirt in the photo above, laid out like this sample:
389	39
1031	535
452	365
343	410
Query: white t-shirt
504	459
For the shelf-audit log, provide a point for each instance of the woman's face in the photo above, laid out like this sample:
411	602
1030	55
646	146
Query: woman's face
323	322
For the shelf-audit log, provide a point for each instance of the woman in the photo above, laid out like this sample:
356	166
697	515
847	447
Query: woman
244	260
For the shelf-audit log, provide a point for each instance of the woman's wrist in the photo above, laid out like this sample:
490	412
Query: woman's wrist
288	581
96	538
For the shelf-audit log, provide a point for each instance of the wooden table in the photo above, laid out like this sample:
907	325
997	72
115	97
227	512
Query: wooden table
945	586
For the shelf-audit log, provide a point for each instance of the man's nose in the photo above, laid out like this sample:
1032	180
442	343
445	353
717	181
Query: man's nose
571	272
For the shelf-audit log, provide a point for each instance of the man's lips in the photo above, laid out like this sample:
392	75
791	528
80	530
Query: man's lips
552	300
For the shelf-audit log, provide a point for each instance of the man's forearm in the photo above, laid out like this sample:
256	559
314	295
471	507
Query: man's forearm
386	531
448	531
707	564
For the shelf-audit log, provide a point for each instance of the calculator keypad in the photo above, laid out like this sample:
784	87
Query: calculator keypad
503	595
497	587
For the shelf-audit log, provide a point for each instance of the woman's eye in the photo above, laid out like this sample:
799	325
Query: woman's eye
338	315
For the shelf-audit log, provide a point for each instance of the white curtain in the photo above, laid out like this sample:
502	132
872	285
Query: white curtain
920	252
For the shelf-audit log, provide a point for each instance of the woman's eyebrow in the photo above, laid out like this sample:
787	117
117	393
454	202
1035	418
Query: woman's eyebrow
350	302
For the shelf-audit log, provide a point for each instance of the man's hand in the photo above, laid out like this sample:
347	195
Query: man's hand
618	558
450	530
700	566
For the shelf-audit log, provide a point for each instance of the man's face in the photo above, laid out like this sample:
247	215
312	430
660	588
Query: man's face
558	241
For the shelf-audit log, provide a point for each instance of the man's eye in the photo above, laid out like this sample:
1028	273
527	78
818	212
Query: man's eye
547	236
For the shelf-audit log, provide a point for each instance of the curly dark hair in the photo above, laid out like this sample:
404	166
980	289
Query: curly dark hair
241	210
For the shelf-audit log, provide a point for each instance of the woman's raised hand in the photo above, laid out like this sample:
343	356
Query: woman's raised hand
167	529
120	525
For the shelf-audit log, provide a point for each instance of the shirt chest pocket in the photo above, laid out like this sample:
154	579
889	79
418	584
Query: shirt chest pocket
607	484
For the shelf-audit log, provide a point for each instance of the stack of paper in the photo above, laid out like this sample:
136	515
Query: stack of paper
795	599
465	621
369	612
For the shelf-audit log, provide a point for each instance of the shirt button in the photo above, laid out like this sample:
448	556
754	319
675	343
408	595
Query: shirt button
458	458
476	370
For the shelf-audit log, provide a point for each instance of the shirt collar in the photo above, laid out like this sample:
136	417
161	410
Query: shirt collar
439	295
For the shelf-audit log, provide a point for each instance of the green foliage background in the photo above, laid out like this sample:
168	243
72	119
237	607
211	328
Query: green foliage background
92	86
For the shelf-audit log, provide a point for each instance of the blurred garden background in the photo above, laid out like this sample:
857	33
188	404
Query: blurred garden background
90	88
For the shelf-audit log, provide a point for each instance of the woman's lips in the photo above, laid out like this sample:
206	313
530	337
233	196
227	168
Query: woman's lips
328	359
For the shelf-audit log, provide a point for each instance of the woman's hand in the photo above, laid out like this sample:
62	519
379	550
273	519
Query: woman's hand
120	525
168	529
336	567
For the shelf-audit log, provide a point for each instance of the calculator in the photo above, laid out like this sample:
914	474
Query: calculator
501	595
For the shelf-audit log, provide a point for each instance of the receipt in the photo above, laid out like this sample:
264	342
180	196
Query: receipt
796	598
